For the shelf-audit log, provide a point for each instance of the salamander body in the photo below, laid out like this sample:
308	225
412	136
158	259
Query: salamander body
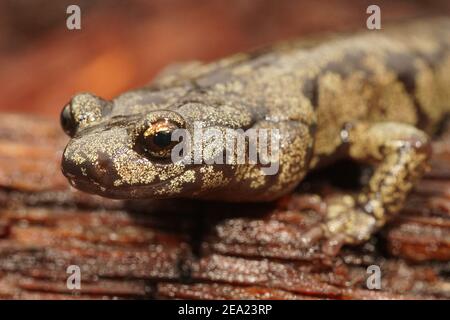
373	96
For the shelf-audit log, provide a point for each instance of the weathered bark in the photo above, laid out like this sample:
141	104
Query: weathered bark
174	249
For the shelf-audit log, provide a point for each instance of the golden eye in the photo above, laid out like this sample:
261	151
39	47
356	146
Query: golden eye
157	139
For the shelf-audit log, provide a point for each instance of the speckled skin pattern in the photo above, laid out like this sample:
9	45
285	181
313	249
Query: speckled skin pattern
373	96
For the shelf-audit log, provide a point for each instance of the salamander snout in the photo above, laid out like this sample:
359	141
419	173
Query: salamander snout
103	160
98	173
92	161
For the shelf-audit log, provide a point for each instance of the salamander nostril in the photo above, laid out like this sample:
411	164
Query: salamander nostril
103	166
70	170
102	171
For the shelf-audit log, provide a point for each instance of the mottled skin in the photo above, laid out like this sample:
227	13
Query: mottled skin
373	97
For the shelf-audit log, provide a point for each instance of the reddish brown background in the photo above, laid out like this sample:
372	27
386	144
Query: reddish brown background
123	44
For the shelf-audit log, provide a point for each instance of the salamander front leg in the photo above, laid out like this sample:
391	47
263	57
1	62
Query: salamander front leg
399	153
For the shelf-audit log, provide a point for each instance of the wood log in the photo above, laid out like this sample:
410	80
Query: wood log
197	250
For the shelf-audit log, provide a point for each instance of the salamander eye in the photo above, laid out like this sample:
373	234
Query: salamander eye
83	110
156	140
67	121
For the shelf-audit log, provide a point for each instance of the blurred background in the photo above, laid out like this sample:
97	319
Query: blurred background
123	44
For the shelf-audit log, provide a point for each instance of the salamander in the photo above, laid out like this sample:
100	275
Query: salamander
373	96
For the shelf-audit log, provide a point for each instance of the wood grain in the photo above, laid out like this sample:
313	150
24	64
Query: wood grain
197	250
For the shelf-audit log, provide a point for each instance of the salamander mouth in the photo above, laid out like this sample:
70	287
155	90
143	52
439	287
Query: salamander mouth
100	179
90	185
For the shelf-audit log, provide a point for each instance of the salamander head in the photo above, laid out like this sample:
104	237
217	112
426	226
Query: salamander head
141	155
